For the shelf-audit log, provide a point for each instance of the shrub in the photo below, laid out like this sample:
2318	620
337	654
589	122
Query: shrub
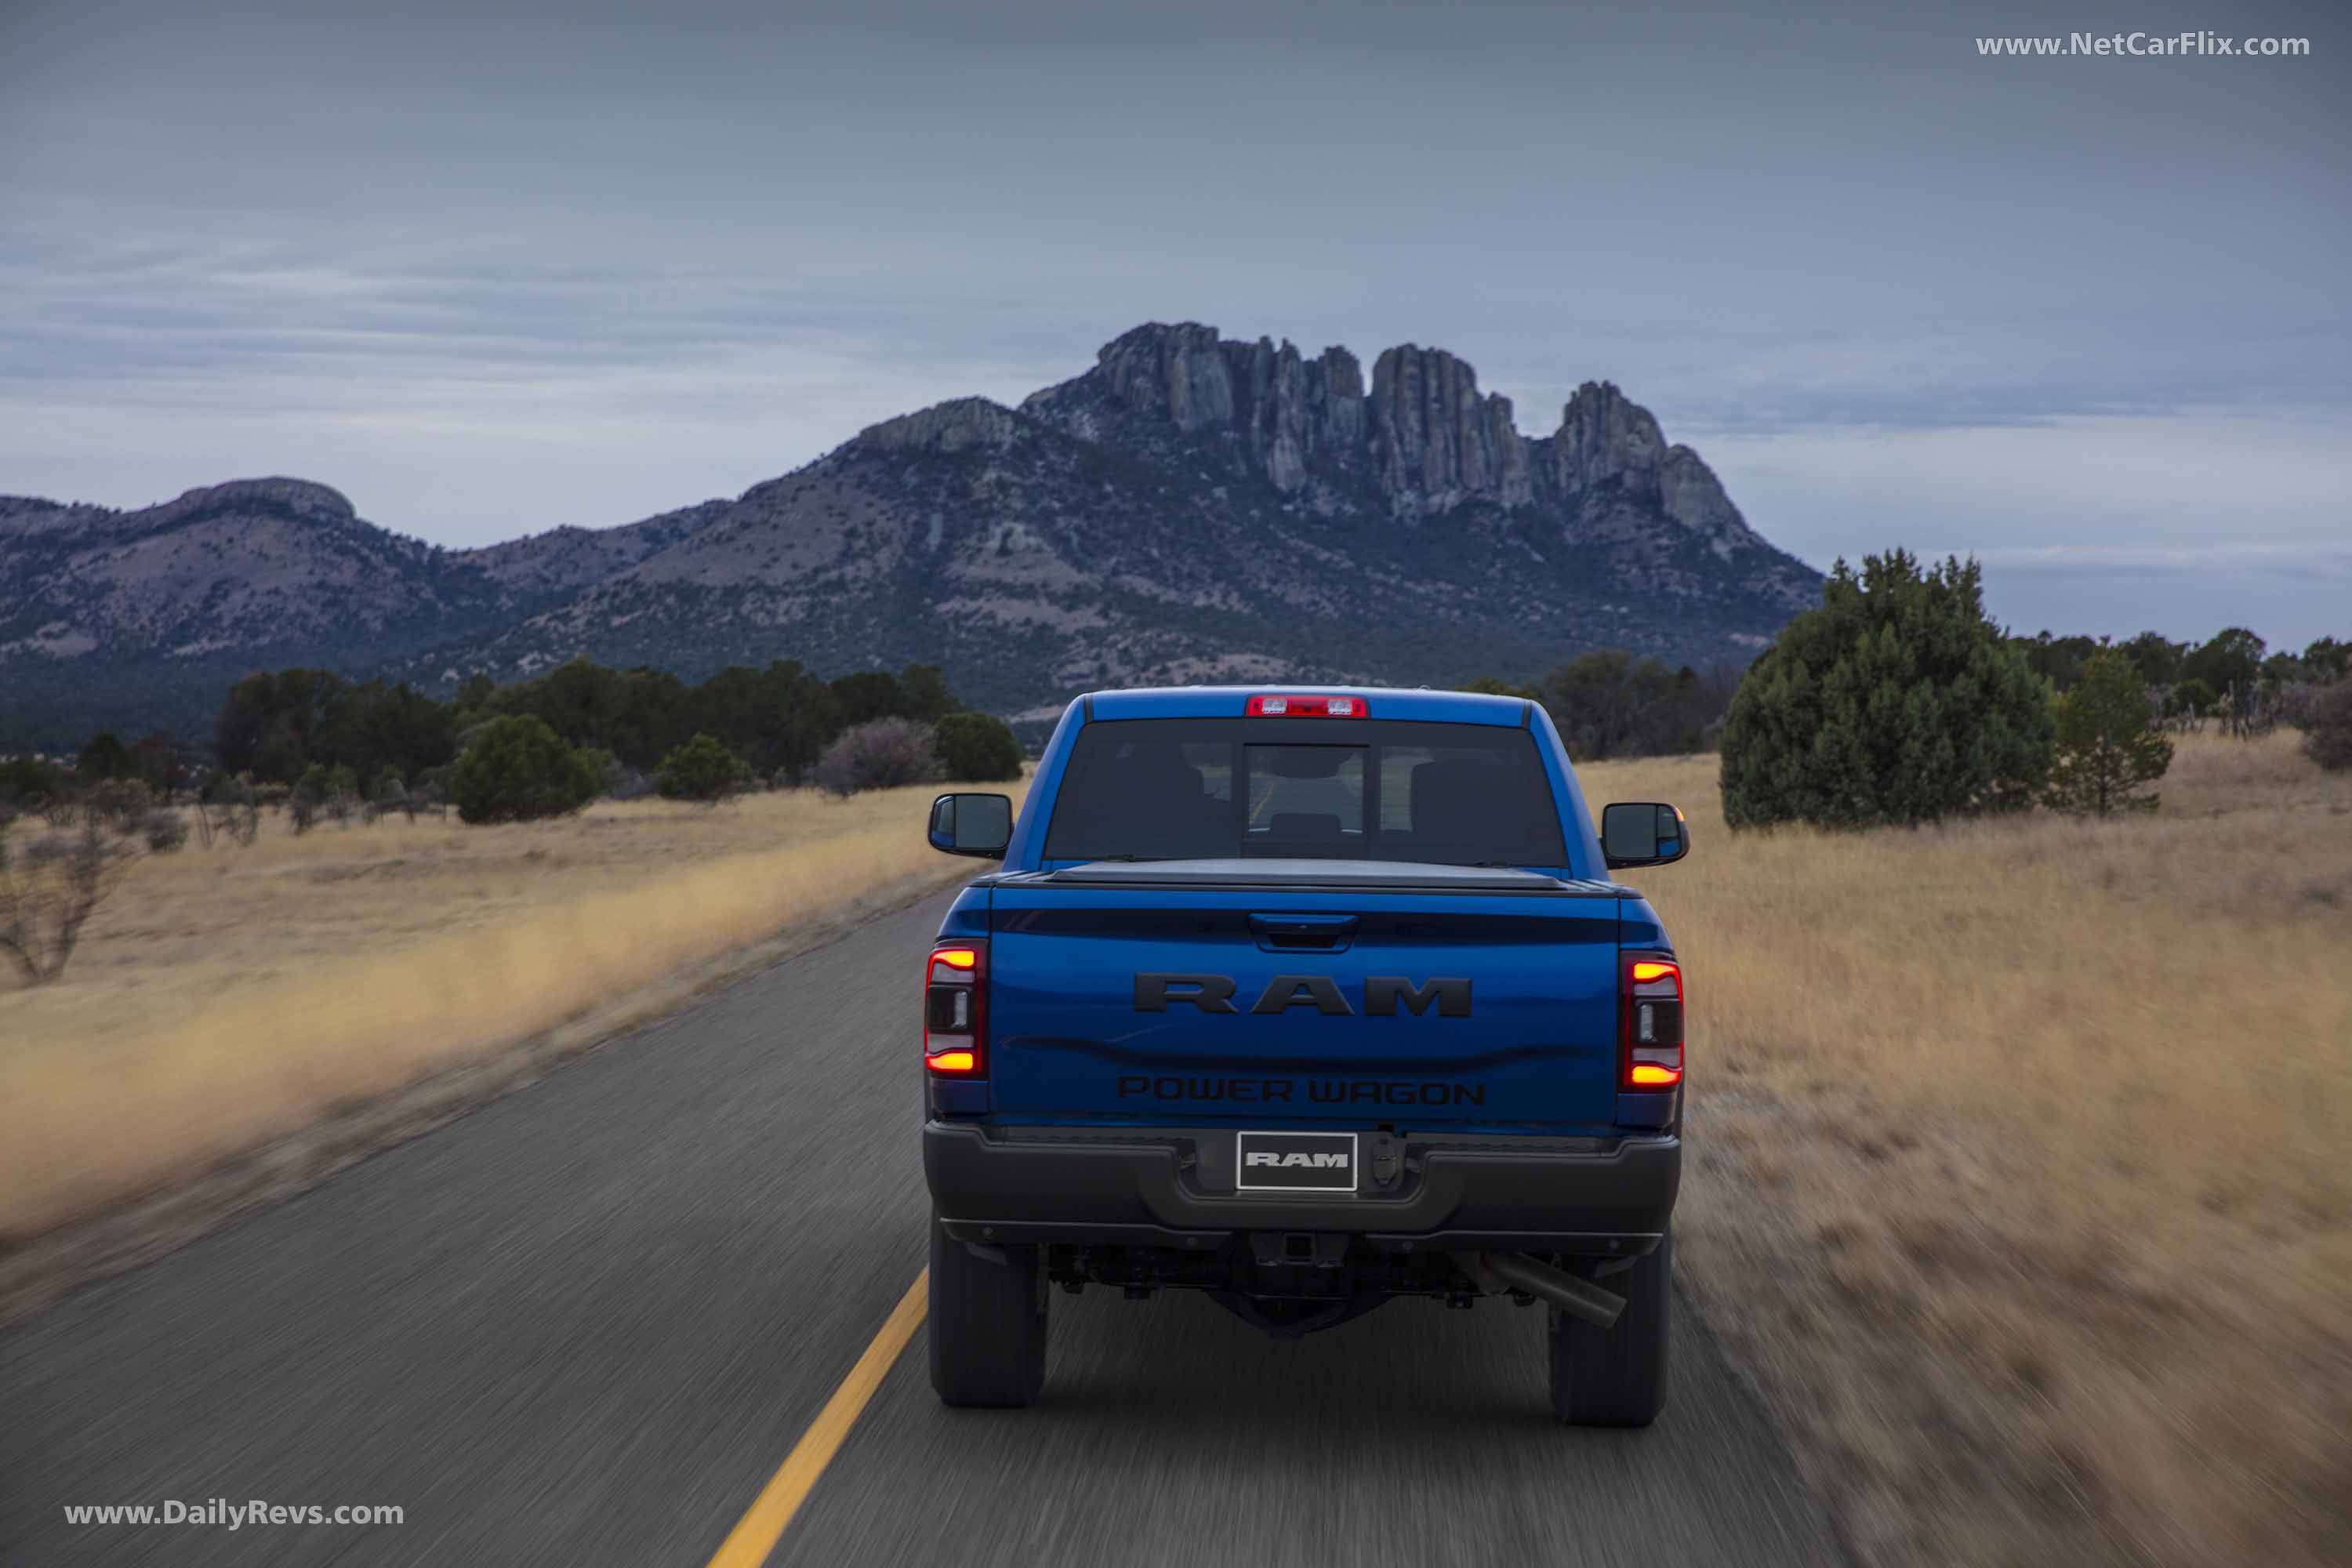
48	890
881	755
308	793
121	805
701	770
431	787
2108	747
165	831
2327	740
1896	703
618	780
519	770
389	793
976	748
342	792
228	804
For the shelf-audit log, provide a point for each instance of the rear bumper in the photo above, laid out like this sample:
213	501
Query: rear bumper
1175	1188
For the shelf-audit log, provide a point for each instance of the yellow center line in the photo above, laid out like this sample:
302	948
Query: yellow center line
756	1534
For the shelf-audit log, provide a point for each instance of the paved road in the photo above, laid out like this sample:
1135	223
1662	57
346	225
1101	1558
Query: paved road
584	1324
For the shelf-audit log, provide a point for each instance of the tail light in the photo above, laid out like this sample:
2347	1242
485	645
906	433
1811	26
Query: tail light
1654	1022
1271	707
955	1042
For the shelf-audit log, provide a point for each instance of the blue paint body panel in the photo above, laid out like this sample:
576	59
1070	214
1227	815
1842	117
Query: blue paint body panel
1539	1049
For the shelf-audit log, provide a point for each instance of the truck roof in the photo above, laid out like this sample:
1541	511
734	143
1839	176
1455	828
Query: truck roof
1379	703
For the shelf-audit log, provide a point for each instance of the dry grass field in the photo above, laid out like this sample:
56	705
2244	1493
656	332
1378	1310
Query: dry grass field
2019	1161
223	997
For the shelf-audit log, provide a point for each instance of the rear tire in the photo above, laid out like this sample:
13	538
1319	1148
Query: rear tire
987	1323
1617	1376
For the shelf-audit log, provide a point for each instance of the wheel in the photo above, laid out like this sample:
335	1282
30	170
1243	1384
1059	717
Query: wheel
1617	1376
987	1323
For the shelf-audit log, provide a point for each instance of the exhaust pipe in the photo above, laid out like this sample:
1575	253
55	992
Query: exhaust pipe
1577	1297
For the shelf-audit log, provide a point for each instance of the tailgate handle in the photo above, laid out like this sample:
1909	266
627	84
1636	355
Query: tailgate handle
1303	933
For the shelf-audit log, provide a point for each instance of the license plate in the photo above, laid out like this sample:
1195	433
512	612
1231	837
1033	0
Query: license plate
1294	1162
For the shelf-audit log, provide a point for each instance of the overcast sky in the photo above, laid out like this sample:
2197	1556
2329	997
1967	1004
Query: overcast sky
490	267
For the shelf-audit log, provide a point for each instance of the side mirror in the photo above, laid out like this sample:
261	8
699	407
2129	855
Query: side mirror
1643	833
978	825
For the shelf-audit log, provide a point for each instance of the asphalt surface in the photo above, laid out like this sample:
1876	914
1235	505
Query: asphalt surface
584	1324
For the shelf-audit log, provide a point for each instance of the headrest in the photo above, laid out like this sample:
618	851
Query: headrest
1158	770
1450	795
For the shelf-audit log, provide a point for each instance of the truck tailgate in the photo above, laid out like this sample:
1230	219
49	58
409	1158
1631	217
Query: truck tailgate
1300	1005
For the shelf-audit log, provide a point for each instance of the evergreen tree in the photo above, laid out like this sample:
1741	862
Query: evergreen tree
1896	703
2109	750
702	770
271	725
868	695
2156	657
105	758
925	693
2056	659
976	748
2230	662
517	769
1495	686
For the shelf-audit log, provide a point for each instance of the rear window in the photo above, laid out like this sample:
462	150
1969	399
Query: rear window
1183	789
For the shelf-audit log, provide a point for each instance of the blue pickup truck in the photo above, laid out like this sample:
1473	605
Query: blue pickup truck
1306	998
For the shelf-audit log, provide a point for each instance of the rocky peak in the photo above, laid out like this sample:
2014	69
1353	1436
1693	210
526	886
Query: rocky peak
1605	438
76	526
1286	412
1423	439
1608	440
1171	372
302	498
966	424
1436	441
1295	412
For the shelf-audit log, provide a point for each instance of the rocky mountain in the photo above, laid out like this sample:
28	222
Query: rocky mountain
250	565
141	619
1190	507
